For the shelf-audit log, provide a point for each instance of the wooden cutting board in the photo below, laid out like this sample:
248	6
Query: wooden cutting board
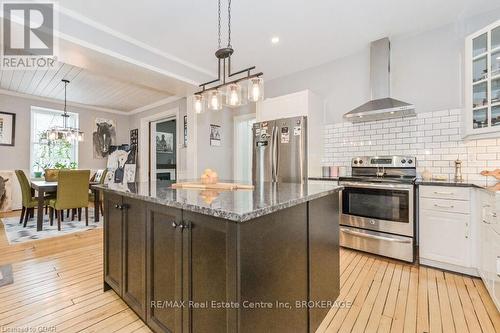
495	173
217	186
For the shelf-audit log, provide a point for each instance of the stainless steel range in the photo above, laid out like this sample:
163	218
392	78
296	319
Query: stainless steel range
378	208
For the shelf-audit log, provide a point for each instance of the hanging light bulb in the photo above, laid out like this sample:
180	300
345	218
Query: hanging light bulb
255	89
214	100
233	94
198	104
52	135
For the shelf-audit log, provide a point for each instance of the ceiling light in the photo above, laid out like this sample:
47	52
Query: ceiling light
255	89
214	100
233	92
275	40
198	103
65	132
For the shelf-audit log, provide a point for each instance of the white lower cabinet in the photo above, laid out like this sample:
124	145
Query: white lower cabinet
489	245
496	280
459	230
446	237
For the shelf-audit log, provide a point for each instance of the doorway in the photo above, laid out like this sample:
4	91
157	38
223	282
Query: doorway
163	152
243	149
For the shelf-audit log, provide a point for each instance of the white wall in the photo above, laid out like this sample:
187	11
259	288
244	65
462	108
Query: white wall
427	70
18	157
220	158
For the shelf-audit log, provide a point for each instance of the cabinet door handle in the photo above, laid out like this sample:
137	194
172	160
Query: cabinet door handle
117	206
443	193
484	221
440	206
494	214
174	224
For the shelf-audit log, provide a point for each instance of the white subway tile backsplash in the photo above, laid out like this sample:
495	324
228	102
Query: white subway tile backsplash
433	137
486	142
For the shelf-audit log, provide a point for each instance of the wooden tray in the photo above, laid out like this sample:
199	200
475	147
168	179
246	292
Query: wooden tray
217	186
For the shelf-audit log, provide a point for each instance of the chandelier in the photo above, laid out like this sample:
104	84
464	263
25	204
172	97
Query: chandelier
65	132
232	93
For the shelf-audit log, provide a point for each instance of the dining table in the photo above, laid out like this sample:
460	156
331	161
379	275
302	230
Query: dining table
42	187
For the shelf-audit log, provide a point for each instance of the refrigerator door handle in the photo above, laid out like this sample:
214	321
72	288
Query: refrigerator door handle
273	160
276	153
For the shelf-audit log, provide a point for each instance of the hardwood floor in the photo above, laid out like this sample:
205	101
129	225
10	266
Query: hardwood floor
58	286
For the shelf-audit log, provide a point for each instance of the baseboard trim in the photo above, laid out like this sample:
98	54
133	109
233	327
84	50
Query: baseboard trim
449	267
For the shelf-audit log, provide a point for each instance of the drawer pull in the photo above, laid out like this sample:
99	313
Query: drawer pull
443	193
360	234
493	214
484	221
440	206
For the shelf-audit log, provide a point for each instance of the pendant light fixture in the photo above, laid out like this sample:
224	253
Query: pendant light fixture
211	97
65	132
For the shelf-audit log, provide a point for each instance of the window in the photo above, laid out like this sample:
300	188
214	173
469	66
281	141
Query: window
51	153
482	81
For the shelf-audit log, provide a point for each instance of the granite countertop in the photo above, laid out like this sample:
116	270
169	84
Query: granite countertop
237	206
324	178
451	183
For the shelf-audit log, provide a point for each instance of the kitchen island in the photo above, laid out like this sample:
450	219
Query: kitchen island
262	260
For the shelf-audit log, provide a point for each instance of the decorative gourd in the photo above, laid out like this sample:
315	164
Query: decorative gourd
209	177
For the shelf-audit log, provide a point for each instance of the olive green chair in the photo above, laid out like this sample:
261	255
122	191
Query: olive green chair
103	174
29	202
72	193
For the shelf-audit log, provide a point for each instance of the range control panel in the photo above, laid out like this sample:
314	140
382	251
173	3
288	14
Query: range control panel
384	161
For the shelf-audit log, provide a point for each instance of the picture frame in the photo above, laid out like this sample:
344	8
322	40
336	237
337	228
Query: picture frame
215	135
185	132
164	142
103	137
7	128
134	136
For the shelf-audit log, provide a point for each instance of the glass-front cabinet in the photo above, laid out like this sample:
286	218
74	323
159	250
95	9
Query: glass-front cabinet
482	81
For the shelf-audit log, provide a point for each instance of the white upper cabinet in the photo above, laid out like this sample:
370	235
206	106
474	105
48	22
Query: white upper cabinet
482	82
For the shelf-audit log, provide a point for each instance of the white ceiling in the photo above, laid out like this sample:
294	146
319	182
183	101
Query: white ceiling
86	87
311	32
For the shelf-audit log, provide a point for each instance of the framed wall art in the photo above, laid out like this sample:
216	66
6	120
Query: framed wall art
7	128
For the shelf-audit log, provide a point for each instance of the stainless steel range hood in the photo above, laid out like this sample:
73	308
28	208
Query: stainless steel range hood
382	106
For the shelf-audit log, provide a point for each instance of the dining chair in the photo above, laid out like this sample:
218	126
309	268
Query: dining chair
99	176
29	202
72	193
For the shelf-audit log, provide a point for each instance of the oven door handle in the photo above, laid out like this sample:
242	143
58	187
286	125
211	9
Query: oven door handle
384	186
360	234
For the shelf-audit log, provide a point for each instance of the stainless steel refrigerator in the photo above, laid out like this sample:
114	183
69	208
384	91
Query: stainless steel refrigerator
280	150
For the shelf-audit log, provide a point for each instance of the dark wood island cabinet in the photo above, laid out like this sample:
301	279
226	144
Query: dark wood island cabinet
261	261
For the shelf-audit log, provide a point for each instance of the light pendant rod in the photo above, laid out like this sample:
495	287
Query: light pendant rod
223	54
65	114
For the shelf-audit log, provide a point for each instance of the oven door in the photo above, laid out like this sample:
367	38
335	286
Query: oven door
380	207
